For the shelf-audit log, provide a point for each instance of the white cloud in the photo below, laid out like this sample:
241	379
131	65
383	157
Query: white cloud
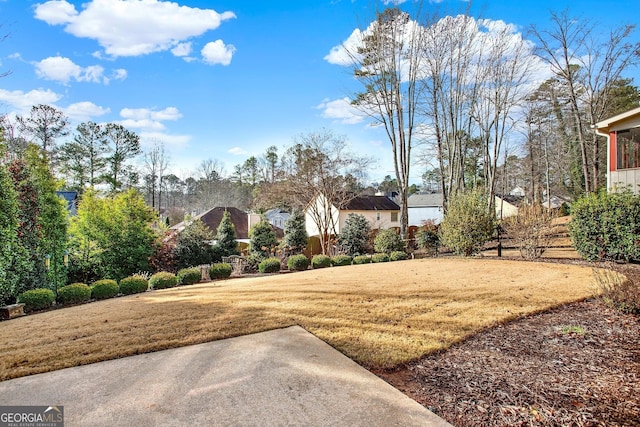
119	74
83	111
23	101
341	110
342	54
218	53
148	119
175	141
182	49
56	12
237	151
63	70
132	27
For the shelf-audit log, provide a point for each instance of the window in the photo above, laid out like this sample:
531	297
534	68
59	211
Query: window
377	216
628	142
394	216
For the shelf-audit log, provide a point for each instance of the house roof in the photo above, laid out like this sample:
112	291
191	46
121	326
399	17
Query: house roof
605	126
71	197
370	203
514	200
417	200
213	217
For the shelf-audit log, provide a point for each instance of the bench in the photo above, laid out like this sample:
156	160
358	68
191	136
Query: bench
237	263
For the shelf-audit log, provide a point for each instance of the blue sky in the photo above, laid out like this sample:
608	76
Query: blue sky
221	79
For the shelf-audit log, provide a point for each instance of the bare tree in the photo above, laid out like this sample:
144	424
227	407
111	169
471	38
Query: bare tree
319	166
387	62
156	162
588	66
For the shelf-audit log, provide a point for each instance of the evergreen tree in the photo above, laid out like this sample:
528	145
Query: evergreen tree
226	237
53	217
295	233
354	238
31	274
262	239
192	247
10	249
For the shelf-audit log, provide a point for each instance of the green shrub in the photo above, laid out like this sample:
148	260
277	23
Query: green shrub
298	262
37	299
163	280
134	284
74	293
340	260
427	238
468	223
362	259
220	271
354	236
380	258
269	265
387	241
189	276
320	261
105	288
398	256
606	226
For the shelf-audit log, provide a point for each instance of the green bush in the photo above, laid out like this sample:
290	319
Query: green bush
362	259
354	236
298	262
134	284
105	288
340	260
427	238
163	280
380	258
220	271
606	226
74	293
468	223
320	261
269	265
387	241
37	299
398	256
189	276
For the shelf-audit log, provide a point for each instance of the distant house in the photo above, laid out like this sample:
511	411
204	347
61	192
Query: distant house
277	217
71	197
623	150
507	205
241	220
517	191
380	211
425	207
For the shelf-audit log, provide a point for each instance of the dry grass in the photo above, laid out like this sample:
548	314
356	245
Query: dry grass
380	315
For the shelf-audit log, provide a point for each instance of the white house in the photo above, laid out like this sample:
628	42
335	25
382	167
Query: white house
507	205
623	150
277	217
425	207
380	211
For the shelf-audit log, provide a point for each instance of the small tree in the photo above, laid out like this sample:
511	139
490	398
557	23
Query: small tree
354	238
192	245
531	229
262	239
226	237
467	224
295	234
10	249
388	241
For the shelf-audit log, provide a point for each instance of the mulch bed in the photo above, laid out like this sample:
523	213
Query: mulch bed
577	365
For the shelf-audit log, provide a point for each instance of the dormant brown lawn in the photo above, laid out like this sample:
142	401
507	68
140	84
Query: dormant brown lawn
380	315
